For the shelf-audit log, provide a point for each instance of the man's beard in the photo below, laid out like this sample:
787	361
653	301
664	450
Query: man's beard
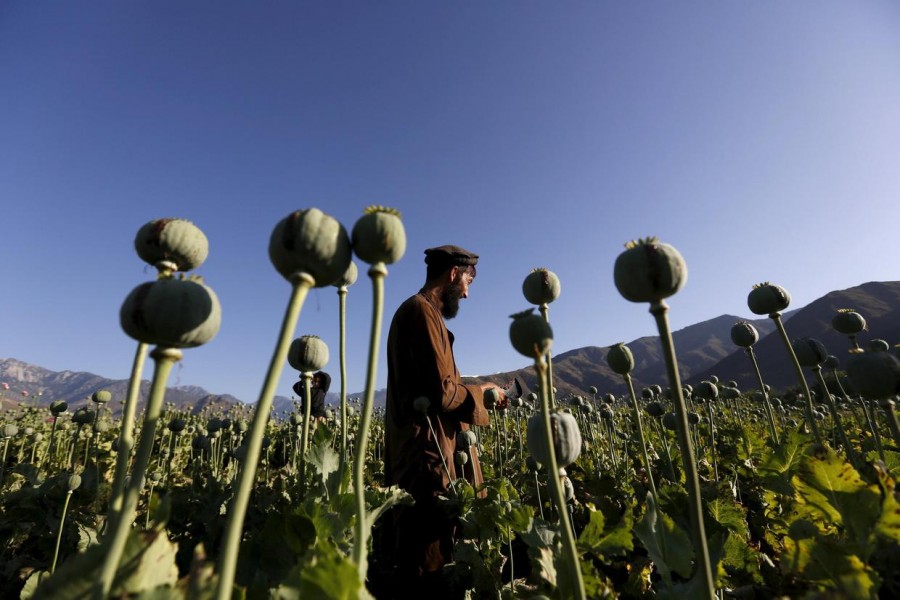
450	299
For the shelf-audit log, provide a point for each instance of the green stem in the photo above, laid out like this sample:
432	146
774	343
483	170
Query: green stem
570	550
342	296
62	522
377	273
660	310
164	359
126	432
545	312
640	428
762	388
810	418
234	524
845	441
307	414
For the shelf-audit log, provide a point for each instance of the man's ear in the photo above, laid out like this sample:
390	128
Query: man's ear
454	273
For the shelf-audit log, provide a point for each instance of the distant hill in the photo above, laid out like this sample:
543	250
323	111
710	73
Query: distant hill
877	302
703	349
44	386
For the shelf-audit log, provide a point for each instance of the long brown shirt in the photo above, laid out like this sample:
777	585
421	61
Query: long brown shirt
421	363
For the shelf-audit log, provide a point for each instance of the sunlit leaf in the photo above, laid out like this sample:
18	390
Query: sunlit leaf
666	543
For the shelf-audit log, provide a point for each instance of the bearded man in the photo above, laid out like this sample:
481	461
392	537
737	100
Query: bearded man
419	456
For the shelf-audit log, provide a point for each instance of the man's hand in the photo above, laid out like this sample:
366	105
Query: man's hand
494	397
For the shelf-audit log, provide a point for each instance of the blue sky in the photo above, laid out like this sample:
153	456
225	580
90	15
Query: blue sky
760	139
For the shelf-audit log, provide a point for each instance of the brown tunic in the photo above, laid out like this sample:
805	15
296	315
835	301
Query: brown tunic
420	363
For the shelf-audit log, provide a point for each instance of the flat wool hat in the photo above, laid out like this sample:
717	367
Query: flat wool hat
450	255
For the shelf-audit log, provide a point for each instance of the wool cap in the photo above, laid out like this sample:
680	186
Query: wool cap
450	255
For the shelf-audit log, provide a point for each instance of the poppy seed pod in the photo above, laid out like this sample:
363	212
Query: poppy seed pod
57	407
649	271
541	286
530	334
766	298
83	416
655	409
566	438
421	404
744	334
620	359
171	244
309	241
175	313
101	396
730	393
491	397
832	362
707	390
875	375
878	345
308	353
810	352
848	322
349	277
462	458
466	439
10	430
379	236
73	482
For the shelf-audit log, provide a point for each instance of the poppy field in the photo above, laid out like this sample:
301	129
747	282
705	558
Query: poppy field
669	491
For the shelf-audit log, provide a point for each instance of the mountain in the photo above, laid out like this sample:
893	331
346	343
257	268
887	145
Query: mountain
698	348
877	302
703	349
36	385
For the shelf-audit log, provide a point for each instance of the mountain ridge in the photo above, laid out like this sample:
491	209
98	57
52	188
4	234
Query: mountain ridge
703	349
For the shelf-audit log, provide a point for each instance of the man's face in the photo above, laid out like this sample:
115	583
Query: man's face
457	289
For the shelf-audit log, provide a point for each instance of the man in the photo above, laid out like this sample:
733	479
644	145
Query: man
419	456
319	385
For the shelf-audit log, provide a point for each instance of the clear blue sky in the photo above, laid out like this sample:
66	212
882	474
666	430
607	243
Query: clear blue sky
761	139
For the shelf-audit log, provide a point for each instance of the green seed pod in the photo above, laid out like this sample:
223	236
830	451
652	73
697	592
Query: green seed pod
593	390
730	393
73	482
649	271
848	322
58	407
462	458
744	334
530	334
541	286
308	353
707	390
421	404
566	438
810	352
875	375
10	430
379	236
655	409
766	298
878	345
101	426
101	396
466	439
309	241
693	418
670	421
491	397
832	362
177	425
83	416
171	245
349	277
174	313
620	359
